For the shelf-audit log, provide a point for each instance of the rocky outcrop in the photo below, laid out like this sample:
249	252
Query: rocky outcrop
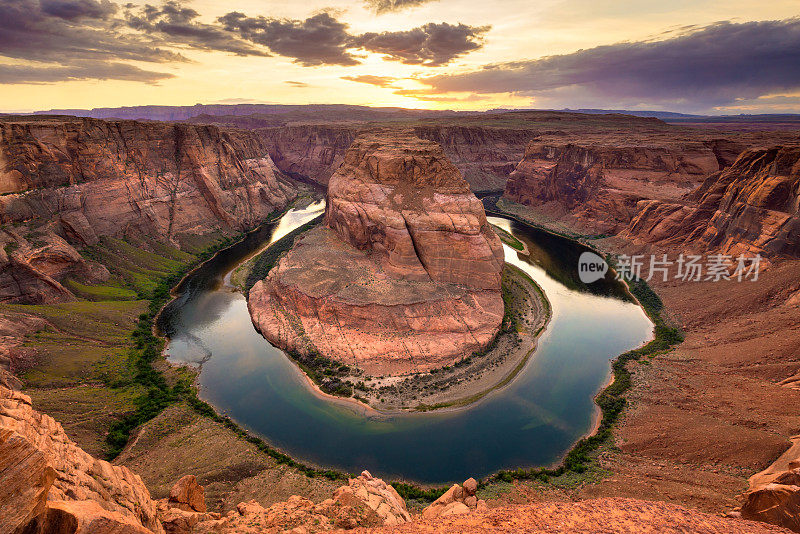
364	502
67	182
752	207
41	452
601	184
26	478
456	501
484	155
404	275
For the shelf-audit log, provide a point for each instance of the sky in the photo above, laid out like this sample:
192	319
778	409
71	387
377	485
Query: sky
694	56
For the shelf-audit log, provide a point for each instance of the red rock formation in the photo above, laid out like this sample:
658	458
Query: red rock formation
406	274
751	207
69	181
26	478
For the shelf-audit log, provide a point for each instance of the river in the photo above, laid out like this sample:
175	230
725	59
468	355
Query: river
533	421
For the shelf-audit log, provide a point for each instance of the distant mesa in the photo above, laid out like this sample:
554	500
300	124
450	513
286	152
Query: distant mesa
403	276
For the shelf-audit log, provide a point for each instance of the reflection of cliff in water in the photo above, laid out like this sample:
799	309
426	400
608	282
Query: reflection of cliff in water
558	256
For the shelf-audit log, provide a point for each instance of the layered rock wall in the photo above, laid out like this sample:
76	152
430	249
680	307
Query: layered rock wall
752	207
68	181
601	184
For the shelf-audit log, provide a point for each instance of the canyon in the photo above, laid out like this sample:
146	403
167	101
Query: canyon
97	202
403	276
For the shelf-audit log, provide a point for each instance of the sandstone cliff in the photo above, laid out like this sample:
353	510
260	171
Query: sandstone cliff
68	181
751	207
405	273
602	182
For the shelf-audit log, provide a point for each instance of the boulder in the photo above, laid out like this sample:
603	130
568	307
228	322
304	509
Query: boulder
778	504
187	495
456	500
87	517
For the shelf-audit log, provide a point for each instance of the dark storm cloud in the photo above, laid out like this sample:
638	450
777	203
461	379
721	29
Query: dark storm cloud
317	40
96	39
28	32
177	25
323	40
90	70
430	45
704	67
380	81
388	6
76	9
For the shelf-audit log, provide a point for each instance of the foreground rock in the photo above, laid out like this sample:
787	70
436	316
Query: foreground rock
67	182
40	460
404	275
364	502
587	517
456	501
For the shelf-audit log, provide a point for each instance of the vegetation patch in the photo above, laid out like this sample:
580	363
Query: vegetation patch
267	259
508	239
100	292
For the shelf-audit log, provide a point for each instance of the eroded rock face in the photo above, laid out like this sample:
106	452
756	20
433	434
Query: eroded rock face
751	207
404	275
26	478
602	183
400	199
119	493
70	181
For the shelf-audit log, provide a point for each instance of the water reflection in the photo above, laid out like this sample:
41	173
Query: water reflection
532	421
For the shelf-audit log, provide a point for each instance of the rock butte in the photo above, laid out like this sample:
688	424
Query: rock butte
403	276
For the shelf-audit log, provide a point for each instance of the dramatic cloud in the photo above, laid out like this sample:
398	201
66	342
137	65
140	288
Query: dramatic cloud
91	70
700	68
317	40
70	31
95	39
176	25
77	9
323	40
380	81
299	85
388	6
430	45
